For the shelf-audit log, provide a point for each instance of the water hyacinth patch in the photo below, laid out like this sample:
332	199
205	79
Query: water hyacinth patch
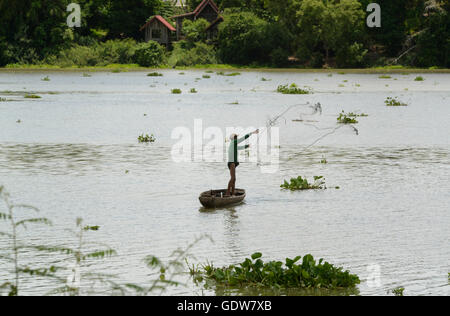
193	90
394	102
146	138
176	91
292	89
419	78
345	118
32	96
299	184
154	74
289	274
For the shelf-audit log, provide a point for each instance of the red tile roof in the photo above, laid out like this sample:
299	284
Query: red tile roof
199	9
160	19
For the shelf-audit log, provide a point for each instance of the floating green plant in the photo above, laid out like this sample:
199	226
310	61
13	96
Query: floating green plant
181	73
394	102
209	72
419	78
398	291
299	183
193	90
341	85
3	100
146	138
176	91
347	118
292	89
154	74
385	77
233	74
47	78
86	75
206	76
324	160
32	96
289	274
265	79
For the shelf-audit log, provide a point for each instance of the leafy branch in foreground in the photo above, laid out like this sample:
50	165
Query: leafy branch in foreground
79	280
300	183
10	217
290	274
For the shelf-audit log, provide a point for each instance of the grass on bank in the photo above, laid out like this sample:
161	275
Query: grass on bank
231	67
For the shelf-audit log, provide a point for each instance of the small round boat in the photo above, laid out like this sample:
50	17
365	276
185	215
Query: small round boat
216	198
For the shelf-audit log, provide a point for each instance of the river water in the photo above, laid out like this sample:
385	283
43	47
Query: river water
74	153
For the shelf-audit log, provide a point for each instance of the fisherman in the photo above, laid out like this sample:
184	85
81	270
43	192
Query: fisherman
233	162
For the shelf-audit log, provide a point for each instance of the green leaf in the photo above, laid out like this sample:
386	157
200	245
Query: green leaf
256	255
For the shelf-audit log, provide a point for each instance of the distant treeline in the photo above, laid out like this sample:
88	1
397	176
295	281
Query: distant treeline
302	33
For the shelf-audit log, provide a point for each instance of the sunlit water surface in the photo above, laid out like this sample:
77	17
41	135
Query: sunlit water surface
74	153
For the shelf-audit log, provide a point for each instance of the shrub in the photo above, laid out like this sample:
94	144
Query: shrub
149	54
200	54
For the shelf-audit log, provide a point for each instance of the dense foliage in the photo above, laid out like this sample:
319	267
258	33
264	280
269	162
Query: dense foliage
307	33
307	274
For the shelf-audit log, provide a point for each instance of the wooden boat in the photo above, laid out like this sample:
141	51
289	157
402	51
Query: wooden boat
216	198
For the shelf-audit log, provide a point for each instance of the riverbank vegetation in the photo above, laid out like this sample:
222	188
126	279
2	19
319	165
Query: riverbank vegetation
271	33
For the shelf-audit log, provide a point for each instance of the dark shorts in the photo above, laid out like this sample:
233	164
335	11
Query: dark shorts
233	163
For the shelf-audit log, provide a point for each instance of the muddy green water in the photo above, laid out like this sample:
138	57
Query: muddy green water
71	151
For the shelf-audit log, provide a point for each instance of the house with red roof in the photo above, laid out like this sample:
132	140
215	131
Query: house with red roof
160	30
207	10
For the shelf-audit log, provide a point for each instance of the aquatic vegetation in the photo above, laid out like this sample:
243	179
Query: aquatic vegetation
47	78
254	272
345	118
419	78
324	160
341	85
206	76
265	79
86	75
233	74
345	81
299	183
193	90
154	74
115	71
385	77
181	73
32	96
146	138
209	72
3	100
398	291
292	89
394	102
176	91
